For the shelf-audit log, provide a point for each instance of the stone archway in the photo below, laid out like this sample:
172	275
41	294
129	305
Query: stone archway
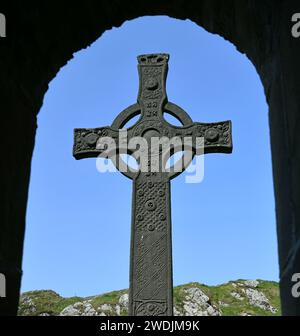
41	39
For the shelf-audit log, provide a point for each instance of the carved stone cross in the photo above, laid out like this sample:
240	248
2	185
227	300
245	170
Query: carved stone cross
151	286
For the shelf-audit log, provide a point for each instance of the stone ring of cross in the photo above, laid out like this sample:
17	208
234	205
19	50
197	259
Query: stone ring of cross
152	140
151	130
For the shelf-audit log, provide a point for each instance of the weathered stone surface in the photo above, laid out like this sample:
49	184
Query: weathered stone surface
123	301
118	310
79	309
251	283
106	308
258	299
196	303
176	311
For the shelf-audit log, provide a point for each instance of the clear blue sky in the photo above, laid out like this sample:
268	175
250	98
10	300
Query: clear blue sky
78	220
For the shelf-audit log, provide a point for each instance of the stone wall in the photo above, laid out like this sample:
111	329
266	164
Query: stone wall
42	37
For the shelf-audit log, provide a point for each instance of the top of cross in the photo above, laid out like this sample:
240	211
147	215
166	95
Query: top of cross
153	59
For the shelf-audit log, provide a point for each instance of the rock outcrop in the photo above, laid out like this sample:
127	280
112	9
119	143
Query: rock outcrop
235	298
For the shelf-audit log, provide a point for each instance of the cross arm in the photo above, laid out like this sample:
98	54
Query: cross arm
89	142
211	137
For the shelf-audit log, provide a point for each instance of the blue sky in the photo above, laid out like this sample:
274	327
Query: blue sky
78	220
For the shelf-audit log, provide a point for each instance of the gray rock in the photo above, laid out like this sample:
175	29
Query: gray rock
251	283
210	310
197	303
118	310
106	307
176	312
123	300
259	299
237	296
70	311
83	308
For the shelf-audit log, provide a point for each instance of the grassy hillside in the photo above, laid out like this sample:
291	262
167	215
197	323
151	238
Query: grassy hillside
235	298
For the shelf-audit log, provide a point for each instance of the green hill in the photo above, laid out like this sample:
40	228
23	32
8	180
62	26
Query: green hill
235	298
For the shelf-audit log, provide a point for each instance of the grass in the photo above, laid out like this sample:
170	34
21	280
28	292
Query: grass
47	301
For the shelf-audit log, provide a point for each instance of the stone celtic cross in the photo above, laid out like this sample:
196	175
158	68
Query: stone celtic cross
151	286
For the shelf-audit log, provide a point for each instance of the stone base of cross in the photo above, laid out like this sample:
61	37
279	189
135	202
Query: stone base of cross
150	290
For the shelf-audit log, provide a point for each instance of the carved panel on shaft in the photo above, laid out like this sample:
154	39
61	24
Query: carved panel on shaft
151	262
